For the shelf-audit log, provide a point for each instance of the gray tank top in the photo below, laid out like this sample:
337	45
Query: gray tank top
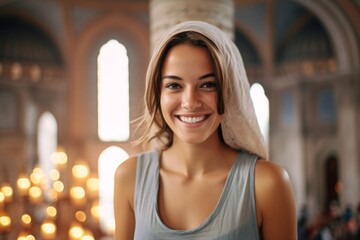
234	216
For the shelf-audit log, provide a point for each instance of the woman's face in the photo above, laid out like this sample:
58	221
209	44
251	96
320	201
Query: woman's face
188	94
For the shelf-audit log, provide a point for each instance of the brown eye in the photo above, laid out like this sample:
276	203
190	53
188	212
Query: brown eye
210	85
172	86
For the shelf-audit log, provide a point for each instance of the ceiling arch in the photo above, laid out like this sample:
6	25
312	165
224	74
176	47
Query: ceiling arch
22	41
342	36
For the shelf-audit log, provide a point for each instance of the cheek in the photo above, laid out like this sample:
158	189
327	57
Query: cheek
166	103
211	100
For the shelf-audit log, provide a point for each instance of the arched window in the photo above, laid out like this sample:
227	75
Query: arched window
109	160
326	110
261	105
113	92
47	143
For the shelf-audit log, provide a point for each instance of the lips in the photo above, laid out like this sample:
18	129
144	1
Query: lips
187	119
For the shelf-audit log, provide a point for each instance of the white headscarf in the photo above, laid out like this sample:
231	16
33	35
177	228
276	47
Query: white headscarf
239	126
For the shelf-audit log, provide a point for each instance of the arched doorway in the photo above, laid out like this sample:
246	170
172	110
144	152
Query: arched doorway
331	181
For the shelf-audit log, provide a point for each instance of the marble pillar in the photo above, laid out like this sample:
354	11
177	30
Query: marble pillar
166	13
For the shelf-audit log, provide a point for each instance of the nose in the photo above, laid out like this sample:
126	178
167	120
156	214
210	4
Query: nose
191	100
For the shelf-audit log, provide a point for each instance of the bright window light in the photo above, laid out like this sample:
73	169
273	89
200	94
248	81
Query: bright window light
47	144
113	92
261	105
109	160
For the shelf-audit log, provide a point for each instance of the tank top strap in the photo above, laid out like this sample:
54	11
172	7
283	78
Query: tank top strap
146	184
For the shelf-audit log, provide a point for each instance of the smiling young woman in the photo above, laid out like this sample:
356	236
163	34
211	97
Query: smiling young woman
208	178
188	98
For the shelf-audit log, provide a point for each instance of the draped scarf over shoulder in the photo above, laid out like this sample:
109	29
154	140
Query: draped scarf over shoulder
239	126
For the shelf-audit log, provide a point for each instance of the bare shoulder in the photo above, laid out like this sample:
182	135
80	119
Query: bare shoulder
270	173
124	187
125	177
127	169
275	202
271	181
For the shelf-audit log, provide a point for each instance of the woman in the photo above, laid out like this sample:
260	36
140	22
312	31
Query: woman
208	178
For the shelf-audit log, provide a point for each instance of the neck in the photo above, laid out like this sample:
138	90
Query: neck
197	159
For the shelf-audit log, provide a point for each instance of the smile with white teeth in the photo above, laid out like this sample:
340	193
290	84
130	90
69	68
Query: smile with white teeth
192	119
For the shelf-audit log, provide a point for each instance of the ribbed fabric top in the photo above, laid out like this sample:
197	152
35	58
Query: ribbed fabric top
234	216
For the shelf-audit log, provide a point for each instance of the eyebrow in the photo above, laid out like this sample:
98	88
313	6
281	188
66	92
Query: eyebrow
174	77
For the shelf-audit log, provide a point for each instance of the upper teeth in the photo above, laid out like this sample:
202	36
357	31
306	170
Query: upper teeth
192	119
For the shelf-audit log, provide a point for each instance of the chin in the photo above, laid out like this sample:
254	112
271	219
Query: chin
195	140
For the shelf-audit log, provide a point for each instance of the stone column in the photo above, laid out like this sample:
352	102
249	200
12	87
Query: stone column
347	100
166	13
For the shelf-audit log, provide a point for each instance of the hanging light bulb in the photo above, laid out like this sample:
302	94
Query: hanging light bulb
23	184
77	195
7	190
80	216
92	186
51	212
5	221
54	174
37	176
2	199
26	220
25	235
95	210
48	229
58	186
80	170
59	158
87	235
76	231
35	194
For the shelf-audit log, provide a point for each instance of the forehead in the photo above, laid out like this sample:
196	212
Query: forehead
188	57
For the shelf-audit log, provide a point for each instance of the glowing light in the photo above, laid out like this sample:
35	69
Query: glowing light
26	219
24	235
58	186
76	231
35	194
59	159
7	190
77	192
87	235
80	216
37	176
80	170
77	195
92	185
5	221
54	174
51	211
48	229
23	184
95	210
2	199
